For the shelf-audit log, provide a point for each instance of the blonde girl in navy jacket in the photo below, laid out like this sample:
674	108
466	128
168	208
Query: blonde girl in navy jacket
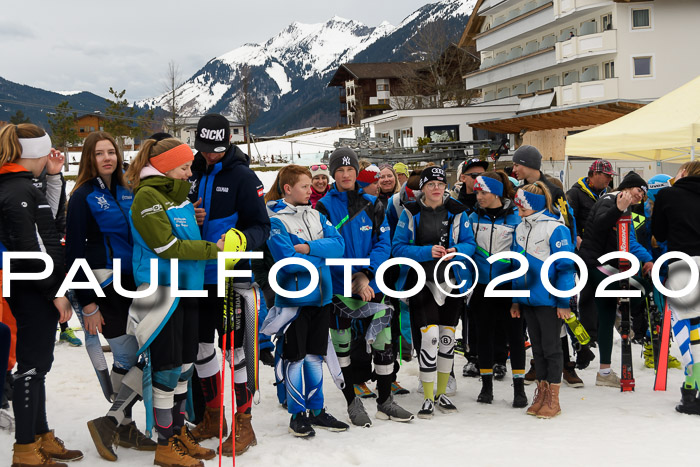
540	235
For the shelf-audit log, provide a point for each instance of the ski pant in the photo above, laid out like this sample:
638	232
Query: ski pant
115	309
5	339
37	319
607	311
305	344
173	353
382	354
437	330
495	325
544	327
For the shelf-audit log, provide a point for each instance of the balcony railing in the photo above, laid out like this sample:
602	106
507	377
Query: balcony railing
525	64
590	91
586	46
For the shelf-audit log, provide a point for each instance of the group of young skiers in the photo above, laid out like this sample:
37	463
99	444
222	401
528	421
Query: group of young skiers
173	204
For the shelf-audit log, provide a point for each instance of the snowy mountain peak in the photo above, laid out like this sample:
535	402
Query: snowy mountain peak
302	55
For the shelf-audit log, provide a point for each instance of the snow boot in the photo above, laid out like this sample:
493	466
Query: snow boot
25	455
390	410
174	454
690	404
538	398
569	375
358	414
326	421
486	394
445	404
245	436
300	427
209	426
530	375
519	396
103	431
55	449
130	437
427	409
499	371
584	355
550	408
194	449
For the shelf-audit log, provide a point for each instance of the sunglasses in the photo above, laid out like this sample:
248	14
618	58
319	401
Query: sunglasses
314	168
474	174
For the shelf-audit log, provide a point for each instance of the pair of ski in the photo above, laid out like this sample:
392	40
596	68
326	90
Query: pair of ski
661	348
232	315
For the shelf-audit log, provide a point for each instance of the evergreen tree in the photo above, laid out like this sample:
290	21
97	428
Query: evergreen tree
120	117
19	117
63	127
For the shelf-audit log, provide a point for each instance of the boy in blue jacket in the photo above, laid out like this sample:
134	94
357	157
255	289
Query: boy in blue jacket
298	231
360	220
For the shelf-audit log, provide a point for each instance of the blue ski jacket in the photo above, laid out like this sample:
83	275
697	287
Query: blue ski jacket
232	196
295	225
97	229
539	236
360	220
459	236
493	234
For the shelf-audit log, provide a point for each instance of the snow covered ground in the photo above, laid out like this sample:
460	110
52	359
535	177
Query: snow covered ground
598	426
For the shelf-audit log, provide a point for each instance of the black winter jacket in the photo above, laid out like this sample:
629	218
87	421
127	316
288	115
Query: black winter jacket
676	217
581	200
27	224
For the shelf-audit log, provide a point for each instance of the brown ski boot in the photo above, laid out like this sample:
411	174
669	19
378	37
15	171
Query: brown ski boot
174	454
25	455
550	408
538	398
194	449
245	436
55	449
209	426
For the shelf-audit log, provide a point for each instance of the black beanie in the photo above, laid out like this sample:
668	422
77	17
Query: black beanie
343	157
632	180
528	156
432	173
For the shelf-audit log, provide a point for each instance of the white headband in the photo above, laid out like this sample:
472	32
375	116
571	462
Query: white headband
34	148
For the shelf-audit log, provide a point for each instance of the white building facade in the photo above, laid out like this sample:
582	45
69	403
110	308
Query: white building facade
558	53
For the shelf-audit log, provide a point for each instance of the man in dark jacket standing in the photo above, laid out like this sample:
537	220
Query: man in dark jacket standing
527	161
226	194
582	196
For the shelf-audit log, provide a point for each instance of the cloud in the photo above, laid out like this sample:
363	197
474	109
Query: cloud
14	30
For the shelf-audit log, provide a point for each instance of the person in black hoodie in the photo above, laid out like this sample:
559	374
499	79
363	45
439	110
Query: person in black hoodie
28	225
600	237
676	220
226	194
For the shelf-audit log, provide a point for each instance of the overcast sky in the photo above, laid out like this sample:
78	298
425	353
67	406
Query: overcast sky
70	45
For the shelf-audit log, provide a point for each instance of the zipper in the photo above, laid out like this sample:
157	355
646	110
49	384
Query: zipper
493	222
527	241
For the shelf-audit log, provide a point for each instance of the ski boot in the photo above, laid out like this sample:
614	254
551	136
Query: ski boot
648	355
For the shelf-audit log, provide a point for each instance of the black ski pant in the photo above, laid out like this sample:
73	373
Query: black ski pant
544	327
495	327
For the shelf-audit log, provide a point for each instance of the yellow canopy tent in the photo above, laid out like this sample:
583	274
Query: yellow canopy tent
664	130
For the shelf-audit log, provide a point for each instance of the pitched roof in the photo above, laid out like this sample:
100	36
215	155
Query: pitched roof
380	70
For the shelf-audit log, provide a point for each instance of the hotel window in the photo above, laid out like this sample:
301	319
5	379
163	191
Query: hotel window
382	87
641	18
235	131
606	21
642	67
609	70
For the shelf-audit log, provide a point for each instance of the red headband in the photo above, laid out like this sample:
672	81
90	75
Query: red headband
172	158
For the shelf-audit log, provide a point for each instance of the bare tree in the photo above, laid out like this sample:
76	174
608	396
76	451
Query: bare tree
445	65
174	122
248	108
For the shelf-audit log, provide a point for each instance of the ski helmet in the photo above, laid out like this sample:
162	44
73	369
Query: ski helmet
656	183
234	242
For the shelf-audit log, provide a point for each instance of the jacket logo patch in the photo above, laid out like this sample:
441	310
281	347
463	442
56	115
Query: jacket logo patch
276	232
562	243
401	224
24	204
384	229
261	192
222	189
365	228
180	221
152	210
193	186
102	202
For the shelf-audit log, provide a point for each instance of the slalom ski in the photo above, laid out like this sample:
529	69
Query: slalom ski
623	239
662	367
